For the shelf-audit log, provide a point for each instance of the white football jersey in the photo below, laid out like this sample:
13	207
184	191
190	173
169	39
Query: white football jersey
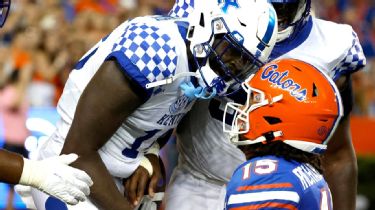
205	149
147	49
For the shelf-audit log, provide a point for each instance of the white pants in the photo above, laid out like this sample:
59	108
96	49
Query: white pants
186	192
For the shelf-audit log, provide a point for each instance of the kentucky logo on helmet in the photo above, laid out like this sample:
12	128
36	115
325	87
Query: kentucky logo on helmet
281	80
228	3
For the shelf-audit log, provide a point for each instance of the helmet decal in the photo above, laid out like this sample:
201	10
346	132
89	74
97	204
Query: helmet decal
228	3
281	80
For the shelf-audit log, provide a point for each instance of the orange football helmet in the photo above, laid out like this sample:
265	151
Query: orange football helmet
287	100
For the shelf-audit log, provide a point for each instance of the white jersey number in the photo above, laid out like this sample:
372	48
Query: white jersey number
265	166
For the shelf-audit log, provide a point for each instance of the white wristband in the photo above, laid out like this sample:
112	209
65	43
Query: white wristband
154	149
145	163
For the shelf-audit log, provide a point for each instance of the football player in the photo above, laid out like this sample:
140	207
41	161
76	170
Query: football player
136	84
207	159
53	176
291	111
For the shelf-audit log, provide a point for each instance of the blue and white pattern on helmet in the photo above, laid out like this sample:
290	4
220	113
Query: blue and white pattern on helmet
150	49
182	8
353	61
269	32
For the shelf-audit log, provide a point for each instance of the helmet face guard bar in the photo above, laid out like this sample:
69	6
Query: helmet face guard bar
4	11
232	63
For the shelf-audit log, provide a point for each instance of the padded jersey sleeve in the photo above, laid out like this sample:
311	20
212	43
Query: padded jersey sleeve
353	60
182	8
145	53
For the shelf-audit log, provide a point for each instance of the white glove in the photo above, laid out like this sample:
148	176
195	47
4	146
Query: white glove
55	177
25	193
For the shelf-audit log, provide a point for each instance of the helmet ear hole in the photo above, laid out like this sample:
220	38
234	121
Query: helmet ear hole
272	120
201	21
315	91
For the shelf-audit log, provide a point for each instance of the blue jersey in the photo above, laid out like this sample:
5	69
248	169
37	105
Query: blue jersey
271	182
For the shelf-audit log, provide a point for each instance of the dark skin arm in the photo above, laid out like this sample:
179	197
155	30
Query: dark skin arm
104	104
136	184
11	166
340	163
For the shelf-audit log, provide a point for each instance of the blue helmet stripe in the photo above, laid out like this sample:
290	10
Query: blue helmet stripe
267	37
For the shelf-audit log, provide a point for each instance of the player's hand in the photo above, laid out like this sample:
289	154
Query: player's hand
136	184
55	177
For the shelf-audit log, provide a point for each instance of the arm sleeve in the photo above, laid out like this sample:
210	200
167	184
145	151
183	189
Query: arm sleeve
145	54
353	61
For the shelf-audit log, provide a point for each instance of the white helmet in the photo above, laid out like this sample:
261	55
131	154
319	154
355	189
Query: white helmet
235	38
292	14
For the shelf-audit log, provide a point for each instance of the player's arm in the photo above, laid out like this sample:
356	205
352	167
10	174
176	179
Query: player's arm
52	176
136	184
11	165
340	163
104	104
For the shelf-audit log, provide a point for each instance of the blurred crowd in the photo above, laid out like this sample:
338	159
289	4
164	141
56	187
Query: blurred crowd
43	39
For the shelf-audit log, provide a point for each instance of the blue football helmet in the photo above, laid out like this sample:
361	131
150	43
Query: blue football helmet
4	11
292	15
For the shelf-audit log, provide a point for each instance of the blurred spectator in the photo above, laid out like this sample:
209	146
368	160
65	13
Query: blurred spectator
14	107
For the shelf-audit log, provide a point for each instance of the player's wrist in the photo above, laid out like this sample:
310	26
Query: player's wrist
146	164
154	149
31	173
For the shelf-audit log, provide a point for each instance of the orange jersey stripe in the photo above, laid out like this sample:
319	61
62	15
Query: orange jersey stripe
268	205
265	186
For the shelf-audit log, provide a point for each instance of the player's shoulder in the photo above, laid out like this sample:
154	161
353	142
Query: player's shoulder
267	179
265	166
151	46
334	32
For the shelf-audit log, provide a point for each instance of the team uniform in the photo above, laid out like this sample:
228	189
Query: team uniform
271	182
147	49
207	158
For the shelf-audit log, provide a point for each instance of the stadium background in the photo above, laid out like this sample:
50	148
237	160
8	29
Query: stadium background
47	37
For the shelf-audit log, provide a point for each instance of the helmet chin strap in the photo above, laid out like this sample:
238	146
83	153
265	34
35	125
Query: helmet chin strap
170	80
257	140
284	34
189	89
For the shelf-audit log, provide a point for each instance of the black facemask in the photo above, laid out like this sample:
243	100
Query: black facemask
286	12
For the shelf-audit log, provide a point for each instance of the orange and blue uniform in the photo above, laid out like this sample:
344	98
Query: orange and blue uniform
271	182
